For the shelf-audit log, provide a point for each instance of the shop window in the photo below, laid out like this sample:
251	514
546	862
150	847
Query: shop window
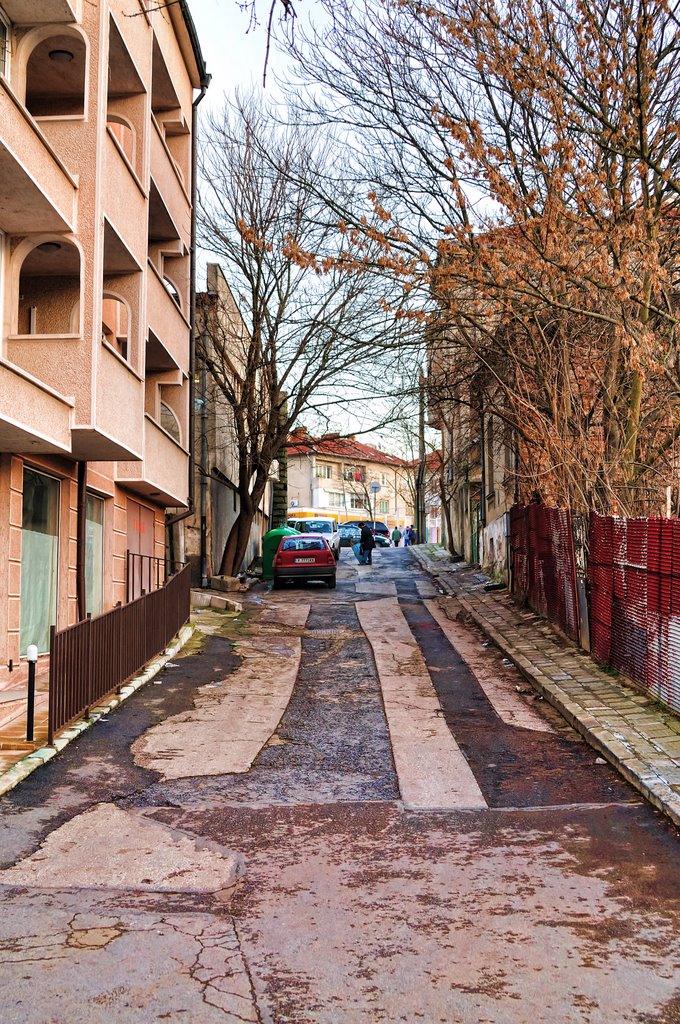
55	77
39	559
94	555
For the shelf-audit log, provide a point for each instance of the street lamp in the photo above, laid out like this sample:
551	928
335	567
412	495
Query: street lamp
31	658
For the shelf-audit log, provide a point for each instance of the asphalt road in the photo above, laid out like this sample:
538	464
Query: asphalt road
341	806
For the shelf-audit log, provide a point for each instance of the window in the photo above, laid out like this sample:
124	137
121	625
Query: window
293	544
356	502
384	506
324	471
169	422
490	482
94	555
4	47
336	499
384	479
39	559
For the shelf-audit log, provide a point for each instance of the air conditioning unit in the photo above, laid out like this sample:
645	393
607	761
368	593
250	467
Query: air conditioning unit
293	503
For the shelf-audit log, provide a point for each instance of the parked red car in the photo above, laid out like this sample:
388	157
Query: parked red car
305	557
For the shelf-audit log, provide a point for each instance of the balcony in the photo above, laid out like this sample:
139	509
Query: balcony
166	320
29	12
33	418
124	201
117	431
169	184
42	199
163	474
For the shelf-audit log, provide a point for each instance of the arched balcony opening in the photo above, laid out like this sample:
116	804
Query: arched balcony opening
116	324
49	289
55	77
124	134
170	423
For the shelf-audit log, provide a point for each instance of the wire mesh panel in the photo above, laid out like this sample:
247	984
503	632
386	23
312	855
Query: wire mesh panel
543	565
634	576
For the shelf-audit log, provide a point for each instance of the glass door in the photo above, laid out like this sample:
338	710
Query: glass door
94	555
39	558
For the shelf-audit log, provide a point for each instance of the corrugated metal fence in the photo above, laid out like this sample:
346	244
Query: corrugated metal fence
634	574
94	657
543	569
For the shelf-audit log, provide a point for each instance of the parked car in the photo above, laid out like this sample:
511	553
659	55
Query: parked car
325	525
305	557
381	541
375	524
349	535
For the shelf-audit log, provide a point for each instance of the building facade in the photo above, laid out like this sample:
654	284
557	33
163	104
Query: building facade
97	115
477	478
334	475
223	335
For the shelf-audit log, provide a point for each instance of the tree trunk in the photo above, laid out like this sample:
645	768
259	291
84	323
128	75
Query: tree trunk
280	500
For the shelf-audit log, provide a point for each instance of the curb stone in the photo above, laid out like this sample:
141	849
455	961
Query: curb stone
642	776
37	758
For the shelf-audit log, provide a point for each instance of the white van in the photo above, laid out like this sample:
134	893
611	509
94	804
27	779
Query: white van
326	525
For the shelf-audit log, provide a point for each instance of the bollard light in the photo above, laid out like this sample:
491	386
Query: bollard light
31	658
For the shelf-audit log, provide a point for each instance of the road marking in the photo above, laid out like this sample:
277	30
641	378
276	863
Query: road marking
500	692
232	719
107	847
432	771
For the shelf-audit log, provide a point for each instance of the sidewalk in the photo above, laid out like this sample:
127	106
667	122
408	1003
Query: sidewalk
19	758
631	730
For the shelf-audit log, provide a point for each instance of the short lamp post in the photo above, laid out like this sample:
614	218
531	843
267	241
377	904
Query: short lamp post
31	658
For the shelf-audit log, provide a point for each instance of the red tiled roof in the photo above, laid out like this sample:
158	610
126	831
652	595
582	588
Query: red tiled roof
332	446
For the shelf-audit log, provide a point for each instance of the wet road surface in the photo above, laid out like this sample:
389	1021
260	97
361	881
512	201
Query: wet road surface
294	878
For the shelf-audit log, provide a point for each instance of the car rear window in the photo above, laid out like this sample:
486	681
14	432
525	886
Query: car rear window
315	526
302	544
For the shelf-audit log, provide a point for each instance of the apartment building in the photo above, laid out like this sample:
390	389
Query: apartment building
335	475
97	116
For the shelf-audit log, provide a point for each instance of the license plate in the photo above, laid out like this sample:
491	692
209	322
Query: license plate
298	560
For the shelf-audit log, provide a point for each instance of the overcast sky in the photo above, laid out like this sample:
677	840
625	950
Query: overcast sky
234	56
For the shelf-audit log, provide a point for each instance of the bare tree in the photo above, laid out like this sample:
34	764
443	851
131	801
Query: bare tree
524	158
312	298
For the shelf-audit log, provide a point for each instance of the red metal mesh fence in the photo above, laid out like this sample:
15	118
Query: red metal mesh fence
634	574
543	570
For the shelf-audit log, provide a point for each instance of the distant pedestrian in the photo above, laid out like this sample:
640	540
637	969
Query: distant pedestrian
396	536
409	536
367	542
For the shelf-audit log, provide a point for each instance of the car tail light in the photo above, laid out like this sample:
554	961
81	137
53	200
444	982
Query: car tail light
330	558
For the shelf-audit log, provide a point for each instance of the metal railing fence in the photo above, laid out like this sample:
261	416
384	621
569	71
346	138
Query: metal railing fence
96	656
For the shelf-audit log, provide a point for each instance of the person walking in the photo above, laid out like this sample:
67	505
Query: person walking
367	542
407	537
396	536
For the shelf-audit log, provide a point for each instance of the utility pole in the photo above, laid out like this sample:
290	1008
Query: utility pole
421	474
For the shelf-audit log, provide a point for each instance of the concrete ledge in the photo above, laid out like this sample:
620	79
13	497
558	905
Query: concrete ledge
27	765
206	599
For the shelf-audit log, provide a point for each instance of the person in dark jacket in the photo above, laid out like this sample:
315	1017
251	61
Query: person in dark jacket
367	542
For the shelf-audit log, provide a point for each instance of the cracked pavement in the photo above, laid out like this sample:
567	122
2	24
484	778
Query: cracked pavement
336	807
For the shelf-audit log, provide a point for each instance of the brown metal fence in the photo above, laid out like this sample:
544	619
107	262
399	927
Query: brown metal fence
92	658
542	559
634	575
